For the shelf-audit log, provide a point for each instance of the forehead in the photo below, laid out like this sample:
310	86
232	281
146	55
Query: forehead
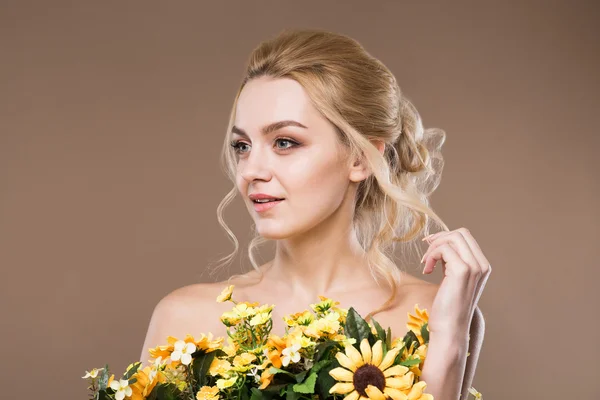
264	100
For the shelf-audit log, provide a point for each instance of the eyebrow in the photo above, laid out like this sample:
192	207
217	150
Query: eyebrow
275	126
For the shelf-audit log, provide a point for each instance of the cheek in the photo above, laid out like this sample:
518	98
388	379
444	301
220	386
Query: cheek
321	178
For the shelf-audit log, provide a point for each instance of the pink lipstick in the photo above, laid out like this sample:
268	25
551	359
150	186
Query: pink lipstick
263	202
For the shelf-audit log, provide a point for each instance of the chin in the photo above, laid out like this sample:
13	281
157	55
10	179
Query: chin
278	229
273	230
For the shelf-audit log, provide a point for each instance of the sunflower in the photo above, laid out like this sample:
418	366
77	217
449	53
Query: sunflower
416	321
369	374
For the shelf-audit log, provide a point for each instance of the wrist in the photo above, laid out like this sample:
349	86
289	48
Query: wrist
451	338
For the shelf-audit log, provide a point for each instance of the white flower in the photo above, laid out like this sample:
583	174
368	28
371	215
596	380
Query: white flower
93	373
183	351
121	388
254	374
155	367
290	354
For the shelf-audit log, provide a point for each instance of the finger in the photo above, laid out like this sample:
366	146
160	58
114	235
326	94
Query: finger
461	245
477	252
486	268
456	266
445	252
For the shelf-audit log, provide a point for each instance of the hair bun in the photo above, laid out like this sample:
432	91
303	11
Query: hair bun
419	150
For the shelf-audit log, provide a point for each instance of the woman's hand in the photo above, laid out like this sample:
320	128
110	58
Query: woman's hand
466	271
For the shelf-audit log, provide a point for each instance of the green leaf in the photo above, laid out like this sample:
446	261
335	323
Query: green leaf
379	329
326	381
356	327
273	389
256	394
409	363
322	350
200	366
409	338
102	395
164	391
103	378
320	365
425	332
275	371
308	386
300	376
132	370
388	338
290	394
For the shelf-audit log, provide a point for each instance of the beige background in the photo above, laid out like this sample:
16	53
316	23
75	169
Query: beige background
112	115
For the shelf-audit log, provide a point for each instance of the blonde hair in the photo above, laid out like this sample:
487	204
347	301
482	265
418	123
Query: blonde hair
361	98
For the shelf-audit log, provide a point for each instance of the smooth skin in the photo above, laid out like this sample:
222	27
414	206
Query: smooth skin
317	251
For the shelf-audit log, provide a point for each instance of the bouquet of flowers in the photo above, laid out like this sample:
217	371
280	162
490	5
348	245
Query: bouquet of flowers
326	353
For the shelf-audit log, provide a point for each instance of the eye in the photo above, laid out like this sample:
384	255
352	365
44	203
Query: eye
238	146
284	141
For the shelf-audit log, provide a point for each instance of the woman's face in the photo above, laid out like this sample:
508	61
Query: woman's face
298	161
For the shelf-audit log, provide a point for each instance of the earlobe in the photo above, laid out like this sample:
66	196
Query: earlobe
359	170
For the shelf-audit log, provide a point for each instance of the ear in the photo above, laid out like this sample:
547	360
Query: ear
359	170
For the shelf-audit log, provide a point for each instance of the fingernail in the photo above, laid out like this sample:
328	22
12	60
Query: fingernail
423	258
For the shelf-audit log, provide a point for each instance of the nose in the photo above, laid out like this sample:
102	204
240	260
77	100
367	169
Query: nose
255	167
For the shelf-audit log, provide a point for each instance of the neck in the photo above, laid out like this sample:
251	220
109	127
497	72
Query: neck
326	259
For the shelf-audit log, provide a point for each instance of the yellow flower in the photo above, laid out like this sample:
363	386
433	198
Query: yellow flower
243	361
420	353
225	294
244	310
302	318
232	348
93	373
343	313
475	393
205	343
219	367
416	321
416	392
208	393
260	318
368	373
230	318
265	308
226	383
147	378
296	336
324	327
324	305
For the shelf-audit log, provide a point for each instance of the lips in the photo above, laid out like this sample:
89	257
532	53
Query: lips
263	198
263	202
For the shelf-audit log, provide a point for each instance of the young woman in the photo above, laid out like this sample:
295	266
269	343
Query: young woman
334	165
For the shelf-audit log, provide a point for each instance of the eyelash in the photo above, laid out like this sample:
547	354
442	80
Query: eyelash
235	144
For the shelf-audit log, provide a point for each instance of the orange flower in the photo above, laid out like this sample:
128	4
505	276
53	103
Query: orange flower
144	385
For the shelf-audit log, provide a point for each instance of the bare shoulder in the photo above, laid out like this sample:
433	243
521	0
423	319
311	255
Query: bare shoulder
191	309
418	291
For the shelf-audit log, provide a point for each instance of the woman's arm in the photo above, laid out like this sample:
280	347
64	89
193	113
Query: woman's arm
447	369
